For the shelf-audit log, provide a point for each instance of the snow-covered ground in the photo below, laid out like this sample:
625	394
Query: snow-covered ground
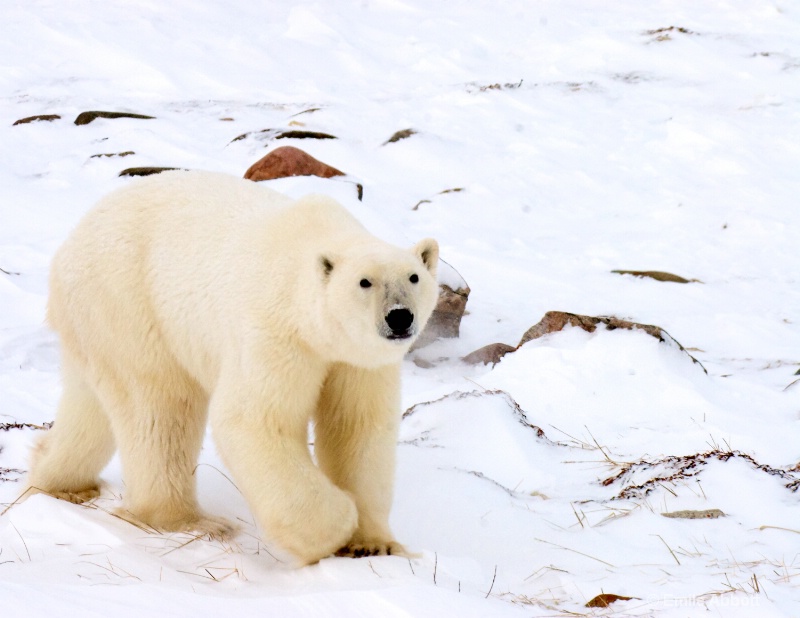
586	137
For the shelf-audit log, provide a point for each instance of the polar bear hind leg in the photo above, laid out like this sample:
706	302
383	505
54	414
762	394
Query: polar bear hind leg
159	424
67	460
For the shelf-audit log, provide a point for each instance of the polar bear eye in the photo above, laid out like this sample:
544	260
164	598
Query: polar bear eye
413	278
365	283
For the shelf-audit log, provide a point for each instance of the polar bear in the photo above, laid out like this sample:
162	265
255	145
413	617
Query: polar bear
190	297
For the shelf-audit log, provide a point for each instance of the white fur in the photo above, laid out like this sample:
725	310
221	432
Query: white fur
191	296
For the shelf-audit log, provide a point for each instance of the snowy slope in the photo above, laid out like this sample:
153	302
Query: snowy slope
585	137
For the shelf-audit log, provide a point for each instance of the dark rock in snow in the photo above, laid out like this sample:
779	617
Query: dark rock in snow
289	161
405	133
87	117
445	322
269	134
127	153
145	171
39	118
655	274
491	353
554	321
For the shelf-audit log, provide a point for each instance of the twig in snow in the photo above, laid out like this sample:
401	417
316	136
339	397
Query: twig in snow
778	528
435	566
494	577
669	548
577	552
194	472
23	542
18	499
580	520
602	449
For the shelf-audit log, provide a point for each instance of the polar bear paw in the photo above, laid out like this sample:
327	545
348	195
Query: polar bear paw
76	497
200	526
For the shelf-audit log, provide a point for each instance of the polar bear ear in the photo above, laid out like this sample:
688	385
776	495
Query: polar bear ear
427	250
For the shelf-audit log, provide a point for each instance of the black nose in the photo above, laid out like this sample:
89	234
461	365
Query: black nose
399	320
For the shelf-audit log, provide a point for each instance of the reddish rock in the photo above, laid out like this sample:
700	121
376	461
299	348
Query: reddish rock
554	321
606	599
289	161
491	353
657	275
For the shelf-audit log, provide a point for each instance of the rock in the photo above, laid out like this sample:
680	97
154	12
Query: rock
554	321
39	118
445	322
270	134
289	161
145	171
127	153
655	274
445	192
446	319
708	514
606	599
404	134
491	353
87	117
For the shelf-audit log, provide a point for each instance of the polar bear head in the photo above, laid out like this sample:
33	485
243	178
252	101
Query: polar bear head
376	299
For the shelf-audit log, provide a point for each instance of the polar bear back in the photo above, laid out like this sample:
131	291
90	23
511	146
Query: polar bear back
160	253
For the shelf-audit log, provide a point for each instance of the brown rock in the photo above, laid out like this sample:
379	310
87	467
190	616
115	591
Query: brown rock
145	171
554	321
404	134
39	118
606	599
289	161
491	353
655	274
445	322
87	117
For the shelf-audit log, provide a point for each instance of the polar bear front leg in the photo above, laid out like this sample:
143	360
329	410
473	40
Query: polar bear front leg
357	422
260	425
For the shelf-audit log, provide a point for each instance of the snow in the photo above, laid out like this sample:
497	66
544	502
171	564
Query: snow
584	138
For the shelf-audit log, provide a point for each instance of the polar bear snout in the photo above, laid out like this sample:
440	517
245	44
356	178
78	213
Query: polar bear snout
400	321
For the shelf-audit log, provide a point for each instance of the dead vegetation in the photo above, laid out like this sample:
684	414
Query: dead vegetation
517	411
675	468
666	34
